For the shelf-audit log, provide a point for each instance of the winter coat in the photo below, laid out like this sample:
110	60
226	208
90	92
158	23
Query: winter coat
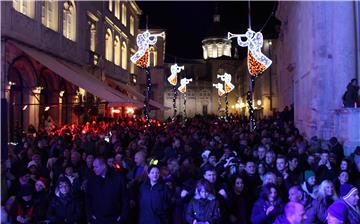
305	189
317	213
353	214
64	209
154	203
258	215
351	95
41	203
203	210
107	198
237	207
281	219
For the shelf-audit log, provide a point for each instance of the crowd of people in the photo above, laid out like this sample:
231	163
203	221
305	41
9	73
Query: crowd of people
194	170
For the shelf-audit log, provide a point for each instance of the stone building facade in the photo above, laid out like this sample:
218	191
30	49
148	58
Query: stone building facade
317	54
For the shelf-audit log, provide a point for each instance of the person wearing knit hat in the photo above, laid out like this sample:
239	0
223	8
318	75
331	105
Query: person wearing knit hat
308	174
337	213
346	209
308	186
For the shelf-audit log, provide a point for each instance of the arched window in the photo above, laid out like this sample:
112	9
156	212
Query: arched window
132	25
69	20
153	56
108	45
25	7
117	50
110	6
123	14
124	58
92	36
117	9
49	14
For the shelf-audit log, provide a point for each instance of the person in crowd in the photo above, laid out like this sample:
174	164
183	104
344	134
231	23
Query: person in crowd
261	168
294	213
297	195
203	208
238	201
351	96
325	196
41	199
267	207
64	207
270	161
325	170
309	185
337	213
336	148
350	197
154	199
23	208
107	200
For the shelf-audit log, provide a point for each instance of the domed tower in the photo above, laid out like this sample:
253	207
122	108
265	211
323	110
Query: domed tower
216	44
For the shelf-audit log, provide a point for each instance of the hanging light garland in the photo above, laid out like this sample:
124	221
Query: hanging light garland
172	79
182	89
226	78
141	59
251	108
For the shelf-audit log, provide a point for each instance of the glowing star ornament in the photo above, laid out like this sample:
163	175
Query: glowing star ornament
220	88
257	61
183	83
143	41
175	69
227	79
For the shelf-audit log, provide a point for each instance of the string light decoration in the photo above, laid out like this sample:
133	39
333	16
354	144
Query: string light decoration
226	78
172	79
251	108
183	83
220	87
143	41
175	69
257	61
141	59
147	96
182	89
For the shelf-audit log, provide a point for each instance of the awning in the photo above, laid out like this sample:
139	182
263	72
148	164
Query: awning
132	91
80	77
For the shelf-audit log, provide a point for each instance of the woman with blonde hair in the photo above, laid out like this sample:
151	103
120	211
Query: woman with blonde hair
325	196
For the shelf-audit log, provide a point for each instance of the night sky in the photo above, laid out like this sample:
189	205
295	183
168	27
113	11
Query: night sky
188	23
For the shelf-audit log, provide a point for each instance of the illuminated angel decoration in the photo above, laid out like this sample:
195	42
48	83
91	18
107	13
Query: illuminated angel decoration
257	61
220	88
183	83
175	69
227	79
143	41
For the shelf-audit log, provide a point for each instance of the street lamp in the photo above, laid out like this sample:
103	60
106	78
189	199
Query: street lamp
258	102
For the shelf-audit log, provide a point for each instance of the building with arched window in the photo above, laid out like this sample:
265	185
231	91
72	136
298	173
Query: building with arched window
108	45
66	61
49	14
69	20
117	50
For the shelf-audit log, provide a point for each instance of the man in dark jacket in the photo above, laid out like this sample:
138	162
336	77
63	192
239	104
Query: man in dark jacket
107	200
294	213
351	97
